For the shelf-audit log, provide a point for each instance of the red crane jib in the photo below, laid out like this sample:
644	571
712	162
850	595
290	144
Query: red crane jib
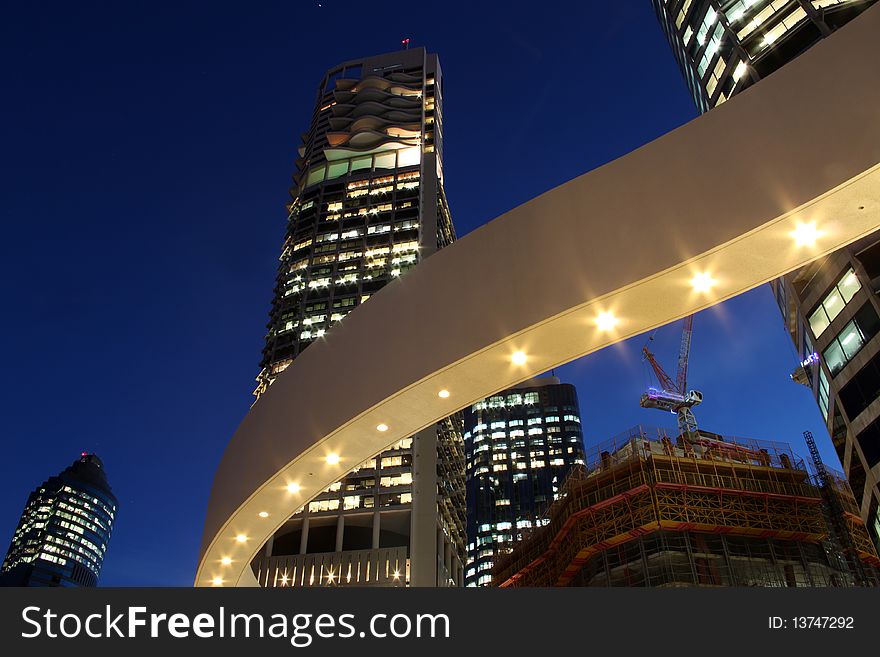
666	382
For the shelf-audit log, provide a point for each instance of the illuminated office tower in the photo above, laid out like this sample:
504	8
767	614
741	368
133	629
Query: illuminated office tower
519	446
367	205
830	307
62	536
723	46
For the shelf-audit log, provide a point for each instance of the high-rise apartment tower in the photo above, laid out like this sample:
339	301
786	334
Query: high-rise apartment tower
367	205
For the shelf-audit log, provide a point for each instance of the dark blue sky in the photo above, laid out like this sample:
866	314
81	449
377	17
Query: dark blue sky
146	151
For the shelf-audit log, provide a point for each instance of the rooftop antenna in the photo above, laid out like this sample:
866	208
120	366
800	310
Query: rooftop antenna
405	43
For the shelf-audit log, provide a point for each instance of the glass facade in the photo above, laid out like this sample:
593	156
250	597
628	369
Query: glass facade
367	206
63	533
724	46
830	307
854	335
519	446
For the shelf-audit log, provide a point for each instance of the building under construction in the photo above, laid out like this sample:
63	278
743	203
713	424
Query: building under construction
650	509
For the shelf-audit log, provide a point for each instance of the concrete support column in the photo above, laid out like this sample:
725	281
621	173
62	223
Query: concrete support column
340	531
423	536
440	558
377	527
304	539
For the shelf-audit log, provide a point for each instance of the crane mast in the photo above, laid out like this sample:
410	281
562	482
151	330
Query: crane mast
684	354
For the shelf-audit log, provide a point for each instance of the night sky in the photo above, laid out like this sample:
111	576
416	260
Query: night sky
146	154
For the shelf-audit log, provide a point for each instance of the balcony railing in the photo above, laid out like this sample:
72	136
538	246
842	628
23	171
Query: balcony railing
380	567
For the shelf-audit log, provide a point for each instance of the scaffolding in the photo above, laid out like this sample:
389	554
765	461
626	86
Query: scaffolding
646	482
834	491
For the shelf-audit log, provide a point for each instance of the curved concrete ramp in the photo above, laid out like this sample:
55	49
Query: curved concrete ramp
735	194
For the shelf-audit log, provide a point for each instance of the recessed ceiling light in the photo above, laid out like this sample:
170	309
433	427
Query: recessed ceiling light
443	394
703	282
263	514
606	321
382	427
805	234
217	581
293	488
332	459
519	358
226	561
241	538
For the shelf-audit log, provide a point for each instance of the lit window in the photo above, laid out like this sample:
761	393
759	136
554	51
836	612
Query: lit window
786	24
315	176
823	394
834	302
851	338
408	156
708	21
760	18
385	161
323	505
682	13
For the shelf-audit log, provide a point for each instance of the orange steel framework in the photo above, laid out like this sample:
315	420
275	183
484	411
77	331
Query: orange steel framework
645	481
864	546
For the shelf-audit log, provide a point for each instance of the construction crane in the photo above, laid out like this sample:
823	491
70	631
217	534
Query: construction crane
673	396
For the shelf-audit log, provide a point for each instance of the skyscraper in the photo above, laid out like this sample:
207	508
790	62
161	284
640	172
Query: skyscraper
64	529
830	307
519	446
724	46
367	205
